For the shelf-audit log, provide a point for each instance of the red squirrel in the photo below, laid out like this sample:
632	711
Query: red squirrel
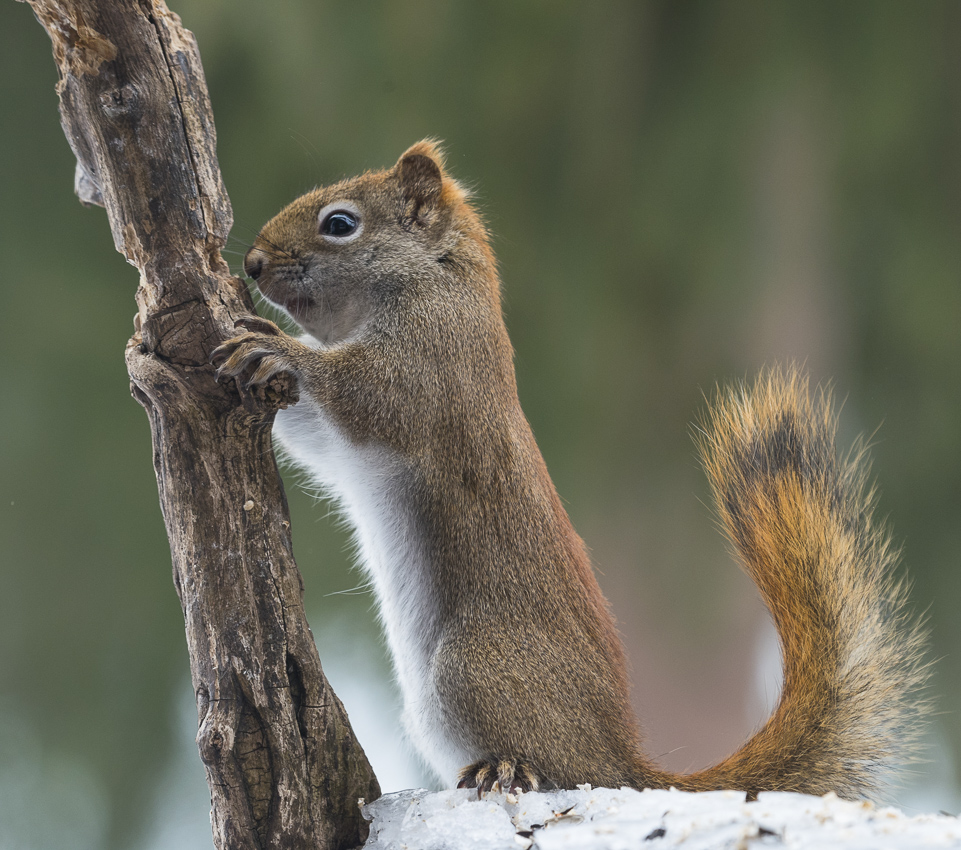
512	672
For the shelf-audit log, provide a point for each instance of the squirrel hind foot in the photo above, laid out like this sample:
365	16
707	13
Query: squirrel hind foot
499	774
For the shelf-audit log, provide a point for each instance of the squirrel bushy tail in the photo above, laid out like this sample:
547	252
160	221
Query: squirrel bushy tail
800	520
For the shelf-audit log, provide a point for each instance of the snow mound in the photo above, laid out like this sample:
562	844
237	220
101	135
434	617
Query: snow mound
605	819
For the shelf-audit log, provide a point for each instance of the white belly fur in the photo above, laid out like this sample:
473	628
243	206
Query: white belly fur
367	483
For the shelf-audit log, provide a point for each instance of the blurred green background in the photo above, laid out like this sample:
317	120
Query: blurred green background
679	193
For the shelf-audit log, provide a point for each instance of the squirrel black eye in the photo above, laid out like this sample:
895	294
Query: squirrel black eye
339	223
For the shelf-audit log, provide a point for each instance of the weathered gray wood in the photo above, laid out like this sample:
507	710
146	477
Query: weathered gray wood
282	763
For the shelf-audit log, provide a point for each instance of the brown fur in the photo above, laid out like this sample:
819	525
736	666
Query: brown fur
528	661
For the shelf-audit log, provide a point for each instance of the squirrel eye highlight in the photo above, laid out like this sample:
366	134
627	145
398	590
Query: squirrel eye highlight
339	223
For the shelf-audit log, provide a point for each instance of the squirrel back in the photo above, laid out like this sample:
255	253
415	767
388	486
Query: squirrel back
509	661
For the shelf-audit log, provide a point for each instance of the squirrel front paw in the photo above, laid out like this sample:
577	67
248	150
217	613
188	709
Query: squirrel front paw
503	774
263	348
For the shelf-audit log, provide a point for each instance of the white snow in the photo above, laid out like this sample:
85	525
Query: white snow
606	819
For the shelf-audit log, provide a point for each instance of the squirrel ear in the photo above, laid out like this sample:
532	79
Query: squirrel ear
421	176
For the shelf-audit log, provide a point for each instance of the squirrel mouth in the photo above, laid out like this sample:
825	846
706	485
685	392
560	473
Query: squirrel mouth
296	305
278	293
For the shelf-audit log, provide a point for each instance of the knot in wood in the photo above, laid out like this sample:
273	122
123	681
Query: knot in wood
119	101
215	744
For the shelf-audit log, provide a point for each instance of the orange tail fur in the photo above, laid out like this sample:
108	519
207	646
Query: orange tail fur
800	521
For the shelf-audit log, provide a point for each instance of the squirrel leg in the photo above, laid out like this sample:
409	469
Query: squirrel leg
499	774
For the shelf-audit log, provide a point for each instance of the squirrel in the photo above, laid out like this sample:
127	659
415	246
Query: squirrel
512	672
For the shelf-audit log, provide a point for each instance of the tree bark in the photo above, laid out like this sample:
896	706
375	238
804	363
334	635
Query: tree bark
282	763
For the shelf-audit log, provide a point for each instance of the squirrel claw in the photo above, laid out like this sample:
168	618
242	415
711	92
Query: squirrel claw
504	774
257	324
223	355
249	351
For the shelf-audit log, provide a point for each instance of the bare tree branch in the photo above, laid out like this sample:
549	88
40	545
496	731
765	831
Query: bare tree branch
282	763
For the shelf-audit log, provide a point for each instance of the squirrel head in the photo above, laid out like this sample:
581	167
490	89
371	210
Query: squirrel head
340	256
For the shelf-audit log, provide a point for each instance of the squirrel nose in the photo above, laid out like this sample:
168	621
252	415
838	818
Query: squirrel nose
254	263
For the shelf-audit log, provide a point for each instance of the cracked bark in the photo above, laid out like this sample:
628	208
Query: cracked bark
283	766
